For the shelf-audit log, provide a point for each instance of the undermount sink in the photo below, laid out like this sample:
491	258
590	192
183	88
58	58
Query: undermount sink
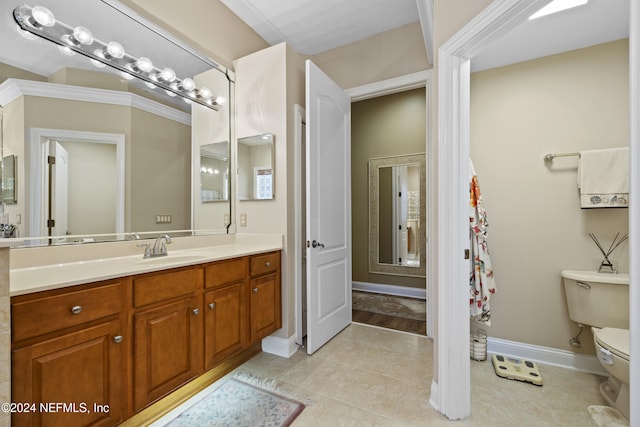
169	259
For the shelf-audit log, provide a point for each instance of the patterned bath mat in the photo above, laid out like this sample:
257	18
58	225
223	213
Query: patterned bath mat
605	416
391	305
238	404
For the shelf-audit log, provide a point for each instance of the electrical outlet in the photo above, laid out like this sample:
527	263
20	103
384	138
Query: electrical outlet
163	219
243	220
227	220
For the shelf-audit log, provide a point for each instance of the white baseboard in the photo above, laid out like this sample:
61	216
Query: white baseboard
283	347
379	288
546	356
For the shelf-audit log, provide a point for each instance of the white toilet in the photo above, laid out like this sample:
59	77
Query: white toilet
601	300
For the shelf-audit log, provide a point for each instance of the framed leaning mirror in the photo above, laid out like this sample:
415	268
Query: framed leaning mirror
397	219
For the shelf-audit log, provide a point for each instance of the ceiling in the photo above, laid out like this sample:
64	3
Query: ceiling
312	26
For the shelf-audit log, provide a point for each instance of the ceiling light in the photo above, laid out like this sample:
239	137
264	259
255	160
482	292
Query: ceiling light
114	50
42	17
166	75
557	6
80	35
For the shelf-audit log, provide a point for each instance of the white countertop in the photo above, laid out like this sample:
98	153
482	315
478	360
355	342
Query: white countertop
53	276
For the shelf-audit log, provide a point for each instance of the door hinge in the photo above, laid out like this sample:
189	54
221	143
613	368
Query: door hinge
399	193
51	160
400	227
51	223
466	254
400	261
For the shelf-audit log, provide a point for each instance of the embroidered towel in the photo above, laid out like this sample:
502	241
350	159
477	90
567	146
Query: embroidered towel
603	178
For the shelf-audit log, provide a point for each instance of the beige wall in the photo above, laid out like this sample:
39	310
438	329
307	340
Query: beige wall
563	103
269	83
386	126
156	181
207	25
383	56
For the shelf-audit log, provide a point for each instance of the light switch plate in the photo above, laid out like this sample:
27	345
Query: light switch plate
243	220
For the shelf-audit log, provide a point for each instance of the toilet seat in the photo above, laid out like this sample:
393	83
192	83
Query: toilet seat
615	340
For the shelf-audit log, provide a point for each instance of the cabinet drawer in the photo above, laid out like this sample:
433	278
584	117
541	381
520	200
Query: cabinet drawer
156	287
39	316
224	272
261	264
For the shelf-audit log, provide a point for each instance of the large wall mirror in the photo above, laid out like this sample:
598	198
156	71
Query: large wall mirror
106	114
397	220
256	167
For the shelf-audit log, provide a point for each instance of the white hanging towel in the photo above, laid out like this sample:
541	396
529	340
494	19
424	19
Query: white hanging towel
603	178
482	284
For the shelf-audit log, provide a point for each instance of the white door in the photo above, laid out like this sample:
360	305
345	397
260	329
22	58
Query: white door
60	190
328	168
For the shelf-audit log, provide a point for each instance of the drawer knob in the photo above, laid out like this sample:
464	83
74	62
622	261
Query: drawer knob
255	290
268	263
117	339
212	305
196	311
76	309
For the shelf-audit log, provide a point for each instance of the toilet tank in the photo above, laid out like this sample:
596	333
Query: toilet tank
597	299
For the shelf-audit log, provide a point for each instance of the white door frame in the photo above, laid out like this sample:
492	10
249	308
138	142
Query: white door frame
451	393
359	93
36	155
400	84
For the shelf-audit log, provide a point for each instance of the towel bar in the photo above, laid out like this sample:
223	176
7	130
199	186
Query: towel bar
550	157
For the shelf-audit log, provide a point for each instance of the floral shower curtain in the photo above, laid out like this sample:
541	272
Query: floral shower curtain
481	281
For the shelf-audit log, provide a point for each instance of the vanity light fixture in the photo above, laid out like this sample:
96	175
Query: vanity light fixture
40	21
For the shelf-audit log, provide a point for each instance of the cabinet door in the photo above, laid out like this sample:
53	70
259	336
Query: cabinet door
74	380
167	349
266	315
226	326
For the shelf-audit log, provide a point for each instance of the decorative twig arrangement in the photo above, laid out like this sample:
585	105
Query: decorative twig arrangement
606	263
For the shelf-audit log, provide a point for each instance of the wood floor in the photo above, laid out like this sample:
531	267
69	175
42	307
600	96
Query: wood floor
390	322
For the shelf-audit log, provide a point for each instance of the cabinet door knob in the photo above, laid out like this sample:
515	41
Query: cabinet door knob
76	309
255	290
212	305
268	263
117	339
196	311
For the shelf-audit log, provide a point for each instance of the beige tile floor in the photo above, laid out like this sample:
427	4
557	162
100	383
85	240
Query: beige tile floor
368	376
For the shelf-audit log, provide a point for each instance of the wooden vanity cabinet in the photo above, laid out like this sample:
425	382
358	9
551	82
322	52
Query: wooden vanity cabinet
226	310
167	332
68	356
123	344
265	303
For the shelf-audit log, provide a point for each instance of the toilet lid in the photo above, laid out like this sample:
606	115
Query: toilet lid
615	340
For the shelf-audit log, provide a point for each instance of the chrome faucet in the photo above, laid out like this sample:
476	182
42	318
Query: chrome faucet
159	247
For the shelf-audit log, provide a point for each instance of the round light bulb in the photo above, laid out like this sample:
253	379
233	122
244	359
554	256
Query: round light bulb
167	75
43	17
205	92
188	84
82	35
127	75
144	64
114	50
168	92
220	100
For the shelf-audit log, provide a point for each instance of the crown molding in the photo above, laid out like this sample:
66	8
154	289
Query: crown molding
11	89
